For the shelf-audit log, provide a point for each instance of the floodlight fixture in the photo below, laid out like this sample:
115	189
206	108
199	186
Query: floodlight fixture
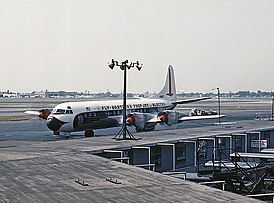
111	64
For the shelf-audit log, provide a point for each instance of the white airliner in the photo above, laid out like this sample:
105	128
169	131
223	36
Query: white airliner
142	113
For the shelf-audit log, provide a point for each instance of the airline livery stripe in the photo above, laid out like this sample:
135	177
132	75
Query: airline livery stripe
169	83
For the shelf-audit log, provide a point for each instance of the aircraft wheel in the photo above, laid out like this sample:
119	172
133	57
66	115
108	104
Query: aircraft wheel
56	133
89	133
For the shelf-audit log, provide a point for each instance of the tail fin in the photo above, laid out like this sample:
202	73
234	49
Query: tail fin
168	91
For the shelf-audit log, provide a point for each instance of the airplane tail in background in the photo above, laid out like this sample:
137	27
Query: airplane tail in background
168	91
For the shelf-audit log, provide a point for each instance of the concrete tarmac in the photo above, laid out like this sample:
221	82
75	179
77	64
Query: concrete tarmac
54	171
38	167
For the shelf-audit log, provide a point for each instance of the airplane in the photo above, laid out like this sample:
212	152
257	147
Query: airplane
142	113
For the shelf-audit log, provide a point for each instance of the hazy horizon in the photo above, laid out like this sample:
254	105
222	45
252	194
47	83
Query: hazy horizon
66	45
130	92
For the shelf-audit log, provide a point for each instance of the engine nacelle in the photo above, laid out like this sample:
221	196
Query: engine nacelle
170	117
44	113
139	120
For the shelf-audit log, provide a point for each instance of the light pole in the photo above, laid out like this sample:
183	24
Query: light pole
272	107
219	104
124	66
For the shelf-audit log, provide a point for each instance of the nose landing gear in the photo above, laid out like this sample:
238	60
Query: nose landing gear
56	133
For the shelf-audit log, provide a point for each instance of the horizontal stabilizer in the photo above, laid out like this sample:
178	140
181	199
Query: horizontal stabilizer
190	118
186	101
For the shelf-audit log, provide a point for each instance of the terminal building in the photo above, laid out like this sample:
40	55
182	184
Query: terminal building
228	161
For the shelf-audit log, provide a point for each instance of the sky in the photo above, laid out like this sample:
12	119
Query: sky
67	44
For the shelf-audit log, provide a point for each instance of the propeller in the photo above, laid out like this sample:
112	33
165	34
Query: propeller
130	119
43	113
163	117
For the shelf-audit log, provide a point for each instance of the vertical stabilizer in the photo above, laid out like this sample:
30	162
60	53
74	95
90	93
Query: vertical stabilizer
168	91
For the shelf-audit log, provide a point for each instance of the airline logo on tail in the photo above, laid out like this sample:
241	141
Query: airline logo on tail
169	84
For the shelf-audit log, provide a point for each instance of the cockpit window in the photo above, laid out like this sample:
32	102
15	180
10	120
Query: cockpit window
69	111
62	111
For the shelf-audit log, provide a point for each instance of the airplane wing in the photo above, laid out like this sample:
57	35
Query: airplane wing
189	118
154	120
186	101
36	113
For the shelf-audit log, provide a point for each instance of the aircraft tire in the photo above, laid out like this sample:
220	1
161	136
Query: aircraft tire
56	133
89	133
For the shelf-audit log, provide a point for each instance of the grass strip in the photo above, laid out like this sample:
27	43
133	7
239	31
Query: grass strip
14	118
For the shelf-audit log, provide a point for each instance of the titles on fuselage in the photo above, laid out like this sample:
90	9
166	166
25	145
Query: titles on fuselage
132	106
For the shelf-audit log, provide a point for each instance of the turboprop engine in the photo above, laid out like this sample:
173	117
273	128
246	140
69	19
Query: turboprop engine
44	113
139	120
170	117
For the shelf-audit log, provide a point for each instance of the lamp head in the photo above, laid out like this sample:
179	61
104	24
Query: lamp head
138	65
124	63
111	64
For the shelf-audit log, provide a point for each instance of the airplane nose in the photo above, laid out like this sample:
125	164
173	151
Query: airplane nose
54	124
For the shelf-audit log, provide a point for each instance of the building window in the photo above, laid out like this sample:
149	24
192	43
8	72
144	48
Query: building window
202	149
238	143
221	143
265	136
180	153
156	156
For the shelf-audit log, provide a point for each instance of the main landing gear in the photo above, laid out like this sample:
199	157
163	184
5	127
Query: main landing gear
89	133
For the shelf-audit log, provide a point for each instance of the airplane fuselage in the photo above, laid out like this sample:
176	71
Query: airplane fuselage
89	115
